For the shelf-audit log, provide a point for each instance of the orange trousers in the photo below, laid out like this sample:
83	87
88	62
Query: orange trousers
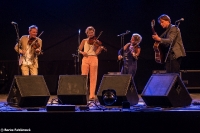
90	67
29	70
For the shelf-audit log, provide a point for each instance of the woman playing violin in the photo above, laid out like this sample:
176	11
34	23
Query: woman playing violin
29	48
90	49
130	53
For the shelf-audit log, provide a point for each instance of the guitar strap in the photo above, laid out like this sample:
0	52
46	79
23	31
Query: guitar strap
163	34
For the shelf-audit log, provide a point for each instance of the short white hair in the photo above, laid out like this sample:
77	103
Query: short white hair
32	27
137	37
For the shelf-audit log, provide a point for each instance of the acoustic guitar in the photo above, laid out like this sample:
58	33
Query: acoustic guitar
159	55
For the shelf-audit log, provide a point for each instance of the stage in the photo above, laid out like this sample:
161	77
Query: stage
98	118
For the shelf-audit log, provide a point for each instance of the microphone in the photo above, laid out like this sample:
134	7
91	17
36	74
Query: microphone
127	31
182	19
79	31
14	23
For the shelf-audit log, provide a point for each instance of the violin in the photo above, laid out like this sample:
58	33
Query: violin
94	41
33	42
133	49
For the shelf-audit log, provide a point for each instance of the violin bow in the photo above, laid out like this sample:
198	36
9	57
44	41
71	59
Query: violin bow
33	42
98	37
37	38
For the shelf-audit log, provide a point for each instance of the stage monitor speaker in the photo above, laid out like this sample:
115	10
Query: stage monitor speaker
28	91
72	89
166	90
52	83
122	84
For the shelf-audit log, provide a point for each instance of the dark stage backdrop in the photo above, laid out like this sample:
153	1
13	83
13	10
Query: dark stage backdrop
61	21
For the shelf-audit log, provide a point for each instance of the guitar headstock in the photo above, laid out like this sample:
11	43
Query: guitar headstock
152	26
152	23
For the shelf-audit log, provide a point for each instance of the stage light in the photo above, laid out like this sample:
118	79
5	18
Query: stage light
109	97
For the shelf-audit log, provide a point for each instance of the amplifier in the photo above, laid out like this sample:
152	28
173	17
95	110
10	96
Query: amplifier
191	78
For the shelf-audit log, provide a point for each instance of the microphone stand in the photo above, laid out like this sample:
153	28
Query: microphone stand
170	48
17	41
178	24
75	60
122	46
77	57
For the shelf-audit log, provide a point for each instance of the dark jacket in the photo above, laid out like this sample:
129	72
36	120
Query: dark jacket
173	36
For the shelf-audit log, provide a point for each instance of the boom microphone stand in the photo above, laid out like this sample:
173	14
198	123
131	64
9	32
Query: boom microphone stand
17	41
170	47
75	60
77	57
122	44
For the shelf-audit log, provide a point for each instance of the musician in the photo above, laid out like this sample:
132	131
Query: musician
90	60
130	53
28	52
171	36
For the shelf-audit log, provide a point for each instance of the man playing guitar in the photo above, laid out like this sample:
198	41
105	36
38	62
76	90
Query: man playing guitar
171	40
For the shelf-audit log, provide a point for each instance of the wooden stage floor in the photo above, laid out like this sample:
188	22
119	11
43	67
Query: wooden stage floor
138	118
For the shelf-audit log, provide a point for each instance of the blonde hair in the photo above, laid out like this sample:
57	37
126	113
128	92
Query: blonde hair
137	37
89	28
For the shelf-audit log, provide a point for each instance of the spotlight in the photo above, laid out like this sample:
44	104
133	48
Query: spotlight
109	97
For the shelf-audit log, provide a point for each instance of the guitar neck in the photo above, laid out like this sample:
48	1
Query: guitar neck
153	31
